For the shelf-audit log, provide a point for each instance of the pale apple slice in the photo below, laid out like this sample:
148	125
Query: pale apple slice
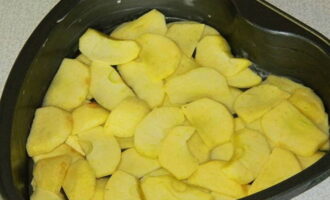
99	189
61	150
107	87
186	35
158	65
218	196
211	177
307	161
69	87
84	60
73	142
198	83
145	87
153	128
287	127
213	51
122	186
125	143
209	30
213	122
175	155
239	124
281	165
244	79
99	47
102	151
88	116
151	22
136	164
198	148
48	174
158	172
255	125
40	194
257	101
79	182
186	64
223	152
251	152
50	128
283	83
325	146
229	100
309	104
125	117
168	188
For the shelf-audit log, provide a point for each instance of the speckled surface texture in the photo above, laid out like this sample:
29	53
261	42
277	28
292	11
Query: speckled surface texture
18	18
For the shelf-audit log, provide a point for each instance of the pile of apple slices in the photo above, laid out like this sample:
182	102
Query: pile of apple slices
140	116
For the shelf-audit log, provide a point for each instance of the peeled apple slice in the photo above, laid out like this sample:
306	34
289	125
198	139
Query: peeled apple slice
223	152
41	194
281	165
136	164
99	189
107	87
145	87
257	101
73	142
186	64
79	182
69	87
84	60
48	174
251	152
158	65
158	172
218	196
99	47
198	83
287	127
209	30
187	42
244	79
229	100
151	22
211	177
175	155
239	124
50	128
125	143
168	188
283	83
306	162
102	151
122	186
198	148
61	150
153	128
212	120
213	51
88	116
255	125
125	117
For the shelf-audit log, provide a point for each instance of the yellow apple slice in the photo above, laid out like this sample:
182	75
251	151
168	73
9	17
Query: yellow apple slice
229	100
198	148
102	151
255	125
287	127
211	177
84	60
151	22
209	30
306	162
61	150
79	182
223	152
257	101
99	189
48	174
99	47
125	143
186	64
283	83
40	194
136	164
251	152
50	128
175	155
122	186
239	124
158	65
73	142
125	117
153	128
168	188
218	196
198	83
107	87
69	87
212	51
158	172
244	79
213	122
88	116
280	166
147	88
186	35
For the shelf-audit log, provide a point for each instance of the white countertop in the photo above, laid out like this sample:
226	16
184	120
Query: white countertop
18	18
